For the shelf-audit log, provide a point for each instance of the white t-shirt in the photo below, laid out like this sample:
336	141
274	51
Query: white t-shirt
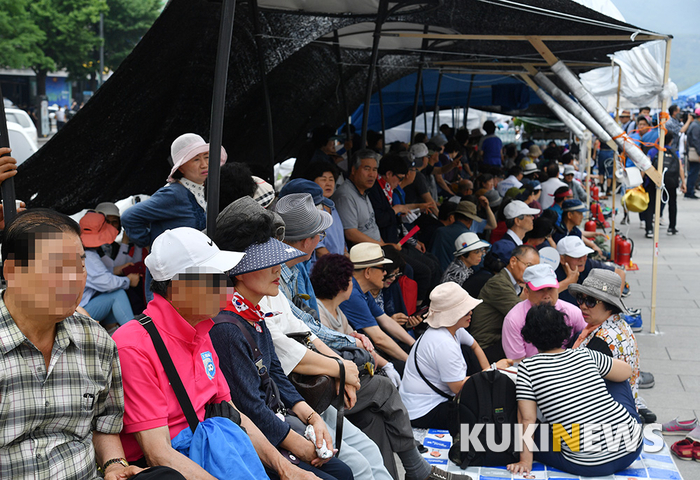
548	188
441	361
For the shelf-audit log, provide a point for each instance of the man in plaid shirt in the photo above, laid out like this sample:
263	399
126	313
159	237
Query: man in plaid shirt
62	401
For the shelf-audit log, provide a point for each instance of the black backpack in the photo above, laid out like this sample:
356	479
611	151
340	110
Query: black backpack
486	398
671	165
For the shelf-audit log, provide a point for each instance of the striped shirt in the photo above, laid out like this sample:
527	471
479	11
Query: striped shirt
47	416
569	389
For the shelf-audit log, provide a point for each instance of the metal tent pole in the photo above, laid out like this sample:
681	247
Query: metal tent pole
263	83
341	76
218	101
469	100
381	15
425	112
8	186
419	84
436	110
381	108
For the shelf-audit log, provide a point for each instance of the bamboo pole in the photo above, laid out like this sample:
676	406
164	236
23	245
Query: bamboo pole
614	178
588	139
657	206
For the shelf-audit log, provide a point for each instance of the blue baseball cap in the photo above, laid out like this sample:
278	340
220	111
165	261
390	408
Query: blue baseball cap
301	185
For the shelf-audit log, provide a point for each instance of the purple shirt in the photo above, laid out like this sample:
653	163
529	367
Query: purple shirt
513	343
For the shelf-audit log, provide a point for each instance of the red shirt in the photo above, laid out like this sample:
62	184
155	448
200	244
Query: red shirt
149	400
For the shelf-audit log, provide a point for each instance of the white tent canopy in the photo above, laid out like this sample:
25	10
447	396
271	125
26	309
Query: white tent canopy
642	78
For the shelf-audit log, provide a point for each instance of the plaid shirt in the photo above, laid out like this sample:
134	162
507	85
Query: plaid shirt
328	336
47	418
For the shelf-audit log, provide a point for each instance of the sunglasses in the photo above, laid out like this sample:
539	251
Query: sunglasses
392	276
383	269
590	302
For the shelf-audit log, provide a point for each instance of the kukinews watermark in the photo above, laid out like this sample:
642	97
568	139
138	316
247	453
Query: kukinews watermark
543	437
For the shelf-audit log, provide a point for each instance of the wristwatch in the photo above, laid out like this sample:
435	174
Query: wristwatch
121	461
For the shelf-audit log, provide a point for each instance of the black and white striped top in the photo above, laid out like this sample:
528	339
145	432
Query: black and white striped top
568	388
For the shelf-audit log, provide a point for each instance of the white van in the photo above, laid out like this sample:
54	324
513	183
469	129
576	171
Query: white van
22	146
23	119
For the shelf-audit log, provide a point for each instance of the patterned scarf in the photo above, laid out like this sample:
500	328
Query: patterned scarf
386	188
240	305
196	190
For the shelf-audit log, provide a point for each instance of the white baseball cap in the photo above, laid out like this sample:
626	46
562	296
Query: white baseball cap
186	250
569	170
419	150
517	207
573	247
540	276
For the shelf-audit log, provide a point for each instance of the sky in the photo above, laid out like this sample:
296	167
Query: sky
680	18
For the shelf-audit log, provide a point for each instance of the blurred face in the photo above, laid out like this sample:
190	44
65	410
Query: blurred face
594	315
114	221
365	175
411	176
474	257
391	277
198	297
51	285
575	217
526	223
489	185
196	169
575	263
517	265
259	283
543	296
569	178
394	180
643	127
375	276
327	183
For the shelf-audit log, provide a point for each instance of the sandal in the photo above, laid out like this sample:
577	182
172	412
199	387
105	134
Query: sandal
685	449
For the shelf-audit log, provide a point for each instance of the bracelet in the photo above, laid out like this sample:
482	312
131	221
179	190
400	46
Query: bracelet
308	419
122	461
494	366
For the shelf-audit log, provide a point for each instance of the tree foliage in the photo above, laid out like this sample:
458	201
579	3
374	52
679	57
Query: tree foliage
20	37
125	24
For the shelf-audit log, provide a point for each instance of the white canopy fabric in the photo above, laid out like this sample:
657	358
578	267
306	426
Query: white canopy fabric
642	78
360	36
606	7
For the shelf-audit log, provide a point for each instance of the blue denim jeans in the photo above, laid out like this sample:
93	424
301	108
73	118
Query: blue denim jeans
693	170
621	393
111	307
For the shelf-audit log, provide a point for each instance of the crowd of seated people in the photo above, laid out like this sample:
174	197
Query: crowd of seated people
398	277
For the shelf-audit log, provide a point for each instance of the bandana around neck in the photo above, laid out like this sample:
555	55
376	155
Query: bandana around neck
386	188
240	305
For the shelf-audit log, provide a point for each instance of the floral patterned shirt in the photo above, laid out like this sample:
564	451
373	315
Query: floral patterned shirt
617	334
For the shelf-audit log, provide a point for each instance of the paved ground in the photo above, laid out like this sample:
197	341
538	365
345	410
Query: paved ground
671	353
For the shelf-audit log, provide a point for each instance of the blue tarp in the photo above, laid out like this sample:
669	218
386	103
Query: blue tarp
509	93
689	93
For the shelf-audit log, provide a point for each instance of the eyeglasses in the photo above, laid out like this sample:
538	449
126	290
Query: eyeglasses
392	276
526	264
590	302
379	268
322	235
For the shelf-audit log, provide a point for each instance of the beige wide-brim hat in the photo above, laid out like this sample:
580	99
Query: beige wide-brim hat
448	303
367	255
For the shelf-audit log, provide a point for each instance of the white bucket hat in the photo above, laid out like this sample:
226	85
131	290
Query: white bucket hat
185	148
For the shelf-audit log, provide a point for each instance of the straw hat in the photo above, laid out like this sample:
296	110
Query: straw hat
448	303
602	284
534	151
367	255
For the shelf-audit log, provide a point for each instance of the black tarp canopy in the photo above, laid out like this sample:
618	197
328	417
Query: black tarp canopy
118	144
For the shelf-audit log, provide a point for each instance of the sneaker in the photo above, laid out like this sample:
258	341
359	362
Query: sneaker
694	434
634	321
675	426
646	380
626	290
671	231
646	415
691	197
437	474
684	449
649	234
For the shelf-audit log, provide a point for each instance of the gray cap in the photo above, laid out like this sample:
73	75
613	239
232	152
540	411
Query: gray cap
247	207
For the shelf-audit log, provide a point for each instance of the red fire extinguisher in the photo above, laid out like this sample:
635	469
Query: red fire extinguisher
623	250
590	226
595	192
